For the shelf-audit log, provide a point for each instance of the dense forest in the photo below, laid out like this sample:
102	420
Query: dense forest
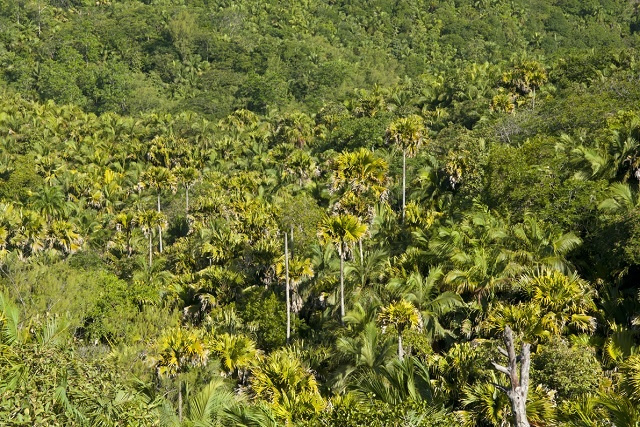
319	213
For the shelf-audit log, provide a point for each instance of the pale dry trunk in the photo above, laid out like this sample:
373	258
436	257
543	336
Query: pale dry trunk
519	389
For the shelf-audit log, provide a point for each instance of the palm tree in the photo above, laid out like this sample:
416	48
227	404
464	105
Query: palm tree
149	220
408	133
398	381
402	315
536	243
342	231
178	351
369	267
363	174
159	178
206	408
525	78
50	202
30	233
622	198
188	177
295	128
62	235
368	351
293	270
432	304
125	222
290	388
567	300
360	180
237	353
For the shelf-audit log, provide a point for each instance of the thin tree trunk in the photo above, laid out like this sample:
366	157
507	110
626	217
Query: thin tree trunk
361	253
533	105
291	248
159	226
400	349
342	284
180	401
286	272
186	203
150	249
404	180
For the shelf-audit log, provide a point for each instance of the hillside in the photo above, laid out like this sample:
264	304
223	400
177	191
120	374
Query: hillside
391	183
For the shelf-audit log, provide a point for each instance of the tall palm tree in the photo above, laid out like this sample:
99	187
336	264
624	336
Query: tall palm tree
362	173
341	230
402	315
159	178
149	220
188	176
408	133
178	351
125	222
360	180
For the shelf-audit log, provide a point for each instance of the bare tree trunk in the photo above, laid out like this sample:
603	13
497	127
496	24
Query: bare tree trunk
286	272
400	349
519	384
361	253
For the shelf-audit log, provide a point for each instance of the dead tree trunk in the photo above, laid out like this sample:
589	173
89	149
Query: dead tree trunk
519	383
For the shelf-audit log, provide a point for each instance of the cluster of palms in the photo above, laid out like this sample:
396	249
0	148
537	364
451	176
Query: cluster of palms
378	298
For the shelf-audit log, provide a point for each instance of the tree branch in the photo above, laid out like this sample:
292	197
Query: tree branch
502	369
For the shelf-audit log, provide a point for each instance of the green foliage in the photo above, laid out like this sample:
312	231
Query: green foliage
267	313
153	153
351	413
570	370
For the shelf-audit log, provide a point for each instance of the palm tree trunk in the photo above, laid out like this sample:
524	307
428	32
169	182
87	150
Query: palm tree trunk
186	202
404	180
291	248
342	283
361	253
159	226
286	272
400	349
180	401
150	249
533	101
